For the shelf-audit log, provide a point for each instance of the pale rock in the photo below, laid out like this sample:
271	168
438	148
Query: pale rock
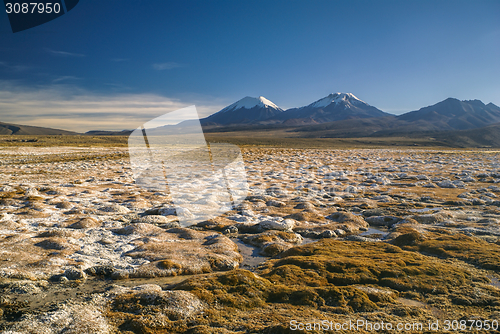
275	224
114	208
446	184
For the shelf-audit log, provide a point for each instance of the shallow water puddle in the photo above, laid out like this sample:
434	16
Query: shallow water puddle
162	281
415	303
411	302
494	281
425	210
57	293
306	241
374	230
251	256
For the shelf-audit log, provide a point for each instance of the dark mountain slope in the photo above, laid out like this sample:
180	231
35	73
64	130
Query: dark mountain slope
453	114
14	129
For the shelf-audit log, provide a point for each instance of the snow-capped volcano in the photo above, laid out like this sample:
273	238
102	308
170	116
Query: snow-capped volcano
245	111
335	98
250	103
334	107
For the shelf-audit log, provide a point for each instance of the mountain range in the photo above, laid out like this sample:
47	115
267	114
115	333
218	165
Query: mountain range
334	107
455	114
338	115
344	115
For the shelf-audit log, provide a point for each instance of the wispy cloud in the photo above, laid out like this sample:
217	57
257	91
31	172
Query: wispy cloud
117	86
14	67
166	66
64	78
64	53
72	108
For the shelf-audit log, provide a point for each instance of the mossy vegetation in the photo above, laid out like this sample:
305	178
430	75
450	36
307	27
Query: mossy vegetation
424	272
273	242
331	279
460	246
343	263
168	264
238	288
325	272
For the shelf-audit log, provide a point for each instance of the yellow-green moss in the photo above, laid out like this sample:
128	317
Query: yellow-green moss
167	264
470	249
343	263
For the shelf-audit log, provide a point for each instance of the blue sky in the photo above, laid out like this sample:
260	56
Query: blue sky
114	64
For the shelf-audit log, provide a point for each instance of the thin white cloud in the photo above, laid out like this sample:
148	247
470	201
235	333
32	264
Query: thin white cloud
14	67
71	108
65	78
64	53
166	66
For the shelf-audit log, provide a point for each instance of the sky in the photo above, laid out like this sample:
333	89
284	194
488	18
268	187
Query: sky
115	64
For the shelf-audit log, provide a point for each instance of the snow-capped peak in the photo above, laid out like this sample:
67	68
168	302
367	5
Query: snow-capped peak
335	98
251	102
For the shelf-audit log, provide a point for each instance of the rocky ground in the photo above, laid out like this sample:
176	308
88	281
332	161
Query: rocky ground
399	236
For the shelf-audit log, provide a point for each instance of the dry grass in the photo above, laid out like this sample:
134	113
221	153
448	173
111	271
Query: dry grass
252	138
76	141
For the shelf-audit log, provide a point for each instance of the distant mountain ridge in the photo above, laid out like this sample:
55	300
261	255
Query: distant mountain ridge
338	115
355	116
453	114
15	129
109	133
343	115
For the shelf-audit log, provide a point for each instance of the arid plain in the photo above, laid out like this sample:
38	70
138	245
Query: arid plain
329	231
